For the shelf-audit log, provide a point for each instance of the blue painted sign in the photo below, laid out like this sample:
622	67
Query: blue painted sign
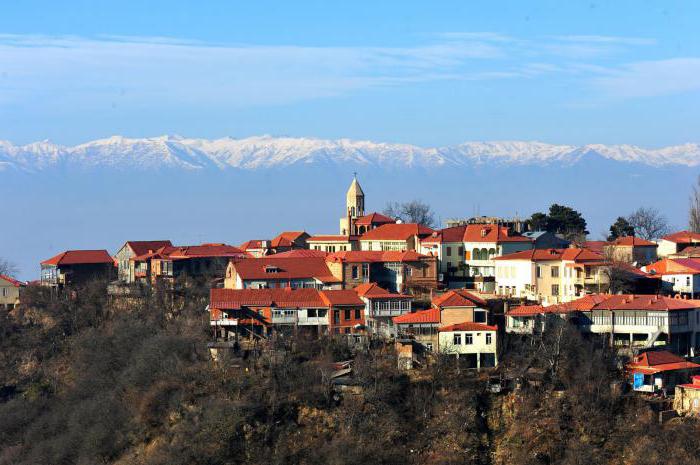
638	380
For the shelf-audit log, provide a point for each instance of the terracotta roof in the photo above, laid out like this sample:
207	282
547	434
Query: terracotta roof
286	238
300	253
467	327
251	244
396	232
142	247
205	250
642	302
570	254
632	241
373	256
659	361
458	298
526	310
595	246
374	218
422	316
683	237
80	257
231	299
332	238
490	233
674	266
693	251
373	291
12	281
285	268
341	297
694	384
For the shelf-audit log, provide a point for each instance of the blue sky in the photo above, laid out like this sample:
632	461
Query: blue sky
428	73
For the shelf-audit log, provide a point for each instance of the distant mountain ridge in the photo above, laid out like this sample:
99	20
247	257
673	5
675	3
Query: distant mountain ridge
175	152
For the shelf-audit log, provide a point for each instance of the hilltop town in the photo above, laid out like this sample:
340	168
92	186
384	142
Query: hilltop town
509	306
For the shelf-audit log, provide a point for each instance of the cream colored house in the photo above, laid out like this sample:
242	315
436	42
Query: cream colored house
551	276
632	249
676	242
333	243
10	289
474	341
395	237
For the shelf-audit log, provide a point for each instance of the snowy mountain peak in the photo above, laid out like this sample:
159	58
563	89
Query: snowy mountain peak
265	151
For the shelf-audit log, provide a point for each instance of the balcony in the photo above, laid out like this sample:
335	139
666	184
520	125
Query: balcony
224	322
313	321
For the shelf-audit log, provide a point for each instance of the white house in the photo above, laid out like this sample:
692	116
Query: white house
676	242
475	341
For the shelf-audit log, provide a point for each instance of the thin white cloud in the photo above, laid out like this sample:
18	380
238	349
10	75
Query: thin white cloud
651	78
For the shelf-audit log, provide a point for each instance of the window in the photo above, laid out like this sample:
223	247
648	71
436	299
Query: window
365	270
355	272
488	338
539	271
555	272
358	314
346	314
460	251
555	289
311	313
468	339
429	346
449	251
346	330
687	281
457	340
480	315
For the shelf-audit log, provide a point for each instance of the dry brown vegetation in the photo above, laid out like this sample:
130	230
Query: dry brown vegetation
86	385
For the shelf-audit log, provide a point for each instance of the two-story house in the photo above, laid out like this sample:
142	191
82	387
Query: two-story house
77	267
10	290
132	249
630	249
273	272
395	237
679	276
677	242
381	306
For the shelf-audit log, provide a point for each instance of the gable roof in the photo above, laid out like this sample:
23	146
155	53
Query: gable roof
595	246
12	281
683	237
286	238
642	302
475	233
232	299
431	315
458	298
341	297
80	257
374	218
374	256
374	291
285	268
396	232
570	254
142	247
206	251
252	244
658	361
675	266
467	327
631	241
300	253
332	238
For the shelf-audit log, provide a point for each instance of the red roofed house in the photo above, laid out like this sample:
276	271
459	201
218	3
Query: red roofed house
679	276
395	237
289	240
405	272
632	249
256	247
686	400
677	242
333	243
381	306
469	250
627	320
271	272
206	260
551	276
236	313
132	249
462	312
654	371
10	290
76	267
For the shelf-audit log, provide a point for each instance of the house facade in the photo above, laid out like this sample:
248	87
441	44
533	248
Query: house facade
10	290
475	342
272	273
632	249
77	267
381	306
679	276
208	261
131	249
333	243
677	242
399	237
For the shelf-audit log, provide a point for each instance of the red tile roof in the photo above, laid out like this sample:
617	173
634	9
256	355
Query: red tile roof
286	238
12	281
374	256
80	257
675	266
632	241
286	268
206	250
474	233
373	291
142	247
571	254
396	232
374	218
458	298
694	384
231	299
251	244
642	302
467	327
659	361
595	246
431	315
683	237
341	297
526	310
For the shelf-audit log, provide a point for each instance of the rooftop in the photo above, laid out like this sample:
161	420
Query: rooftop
396	232
80	257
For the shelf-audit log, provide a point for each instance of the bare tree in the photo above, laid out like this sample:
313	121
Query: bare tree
694	210
7	267
648	223
414	211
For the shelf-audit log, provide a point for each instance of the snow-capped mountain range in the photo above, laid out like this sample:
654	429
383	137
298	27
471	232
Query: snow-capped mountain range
175	152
